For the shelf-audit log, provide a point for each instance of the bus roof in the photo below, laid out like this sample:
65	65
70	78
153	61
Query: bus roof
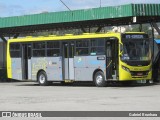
66	37
71	36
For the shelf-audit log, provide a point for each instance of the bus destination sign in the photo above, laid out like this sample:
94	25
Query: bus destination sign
134	36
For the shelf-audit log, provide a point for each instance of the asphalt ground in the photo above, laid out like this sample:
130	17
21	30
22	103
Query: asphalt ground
29	96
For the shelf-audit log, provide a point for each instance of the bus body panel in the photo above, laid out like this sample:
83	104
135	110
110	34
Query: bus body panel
66	68
29	69
54	68
16	68
38	63
133	71
51	65
9	63
71	69
86	65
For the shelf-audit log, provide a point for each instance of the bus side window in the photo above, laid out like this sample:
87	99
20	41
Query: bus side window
97	46
39	49
82	47
15	50
53	49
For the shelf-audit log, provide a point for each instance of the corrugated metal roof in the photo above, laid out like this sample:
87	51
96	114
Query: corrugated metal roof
82	15
146	9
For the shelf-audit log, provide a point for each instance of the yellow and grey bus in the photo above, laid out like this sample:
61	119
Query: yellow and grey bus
87	57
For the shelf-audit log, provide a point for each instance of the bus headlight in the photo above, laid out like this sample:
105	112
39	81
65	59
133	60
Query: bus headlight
125	68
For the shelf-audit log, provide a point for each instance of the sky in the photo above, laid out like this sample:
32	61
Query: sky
25	7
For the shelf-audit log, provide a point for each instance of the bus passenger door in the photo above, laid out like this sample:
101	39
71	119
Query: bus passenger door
68	60
26	61
111	59
16	61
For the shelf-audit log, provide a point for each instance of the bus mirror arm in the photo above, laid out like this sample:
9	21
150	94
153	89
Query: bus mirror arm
121	53
121	50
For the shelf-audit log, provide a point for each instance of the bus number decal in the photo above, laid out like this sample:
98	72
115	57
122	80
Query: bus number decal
101	58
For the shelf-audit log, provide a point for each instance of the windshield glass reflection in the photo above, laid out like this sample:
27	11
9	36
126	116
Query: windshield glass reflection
137	50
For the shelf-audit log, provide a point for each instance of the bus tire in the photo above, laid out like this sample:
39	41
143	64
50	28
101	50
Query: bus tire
99	79
42	79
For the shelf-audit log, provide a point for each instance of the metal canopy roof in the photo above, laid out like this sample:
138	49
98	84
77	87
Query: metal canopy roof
104	16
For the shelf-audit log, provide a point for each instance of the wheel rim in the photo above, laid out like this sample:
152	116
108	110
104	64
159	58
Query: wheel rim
42	79
99	79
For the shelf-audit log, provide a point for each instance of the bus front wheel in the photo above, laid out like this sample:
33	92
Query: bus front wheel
42	79
99	79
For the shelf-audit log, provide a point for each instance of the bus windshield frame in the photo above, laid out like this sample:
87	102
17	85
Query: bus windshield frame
136	49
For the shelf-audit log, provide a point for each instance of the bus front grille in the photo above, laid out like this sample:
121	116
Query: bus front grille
139	73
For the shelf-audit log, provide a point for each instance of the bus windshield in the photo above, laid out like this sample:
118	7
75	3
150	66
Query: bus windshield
136	50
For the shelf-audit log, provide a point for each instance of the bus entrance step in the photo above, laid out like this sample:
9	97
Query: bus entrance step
68	81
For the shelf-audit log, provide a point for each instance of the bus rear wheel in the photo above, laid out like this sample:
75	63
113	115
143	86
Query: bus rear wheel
42	79
99	79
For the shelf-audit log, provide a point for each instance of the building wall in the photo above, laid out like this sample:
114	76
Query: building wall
2	54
